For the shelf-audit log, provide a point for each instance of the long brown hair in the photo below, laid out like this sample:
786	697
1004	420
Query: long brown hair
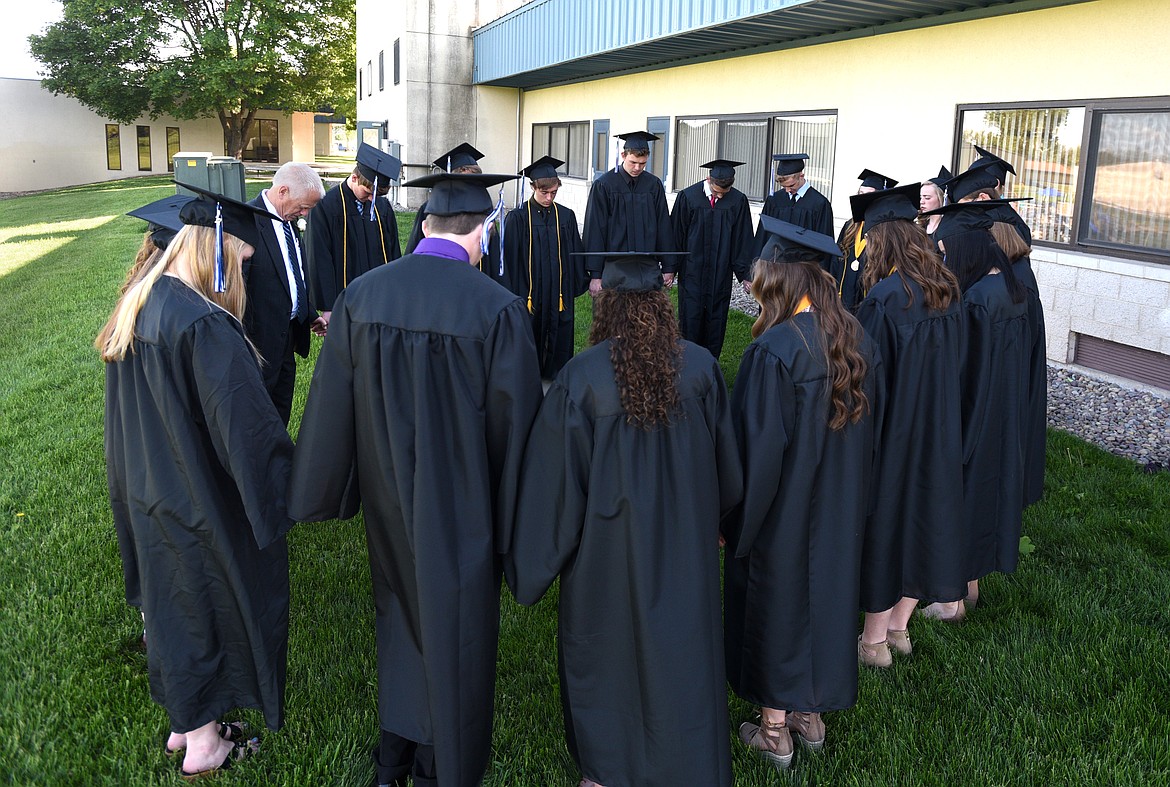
645	351
193	250
779	288
1008	238
902	245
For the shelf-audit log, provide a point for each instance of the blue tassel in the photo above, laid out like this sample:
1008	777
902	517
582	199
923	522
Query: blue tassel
373	198
220	283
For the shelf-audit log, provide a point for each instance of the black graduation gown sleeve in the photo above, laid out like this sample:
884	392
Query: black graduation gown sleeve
416	233
1036	424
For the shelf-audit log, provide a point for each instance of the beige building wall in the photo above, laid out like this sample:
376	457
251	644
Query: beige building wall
52	141
896	98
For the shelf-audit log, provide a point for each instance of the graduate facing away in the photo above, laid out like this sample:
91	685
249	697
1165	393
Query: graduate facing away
630	464
197	459
420	403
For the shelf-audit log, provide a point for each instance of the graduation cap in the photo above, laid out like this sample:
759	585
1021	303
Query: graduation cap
163	217
999	167
943	176
980	175
877	207
543	167
638	141
462	155
789	163
722	168
784	236
960	217
454	193
225	215
876	180
375	166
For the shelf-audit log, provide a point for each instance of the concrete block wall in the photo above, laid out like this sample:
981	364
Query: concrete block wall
1124	301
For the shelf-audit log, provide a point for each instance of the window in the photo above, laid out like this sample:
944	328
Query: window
753	139
382	69
144	148
113	146
172	147
369	77
263	142
1095	172
567	141
657	163
361	82
397	70
602	147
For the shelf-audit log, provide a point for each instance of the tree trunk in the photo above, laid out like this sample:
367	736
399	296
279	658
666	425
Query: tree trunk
236	129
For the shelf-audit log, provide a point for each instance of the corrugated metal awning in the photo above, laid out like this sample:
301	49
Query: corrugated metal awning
552	42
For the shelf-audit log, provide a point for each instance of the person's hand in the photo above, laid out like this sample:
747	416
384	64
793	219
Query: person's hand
320	326
668	279
722	540
747	286
594	287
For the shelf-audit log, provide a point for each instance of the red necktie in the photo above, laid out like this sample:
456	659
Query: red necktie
712	200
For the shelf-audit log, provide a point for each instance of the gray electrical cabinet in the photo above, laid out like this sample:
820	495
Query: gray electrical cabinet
191	168
226	176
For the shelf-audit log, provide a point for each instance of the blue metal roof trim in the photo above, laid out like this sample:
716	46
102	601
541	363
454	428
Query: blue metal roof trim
585	39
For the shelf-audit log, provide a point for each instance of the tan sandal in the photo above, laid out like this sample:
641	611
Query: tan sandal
772	741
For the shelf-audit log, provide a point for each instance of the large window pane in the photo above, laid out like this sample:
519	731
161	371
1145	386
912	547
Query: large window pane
113	147
172	147
579	150
815	135
1129	199
745	140
697	141
144	148
1044	146
263	144
568	142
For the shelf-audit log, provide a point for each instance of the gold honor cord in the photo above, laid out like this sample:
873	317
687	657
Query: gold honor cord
858	247
804	305
345	238
560	271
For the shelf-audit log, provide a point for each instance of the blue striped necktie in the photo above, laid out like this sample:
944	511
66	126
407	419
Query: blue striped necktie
290	243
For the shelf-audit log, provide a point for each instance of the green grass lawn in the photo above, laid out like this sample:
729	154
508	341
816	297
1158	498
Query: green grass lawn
1061	676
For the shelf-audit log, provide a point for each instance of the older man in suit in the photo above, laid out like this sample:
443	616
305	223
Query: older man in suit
279	315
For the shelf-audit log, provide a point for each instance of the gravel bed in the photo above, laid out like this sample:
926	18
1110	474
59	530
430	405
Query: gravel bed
1124	421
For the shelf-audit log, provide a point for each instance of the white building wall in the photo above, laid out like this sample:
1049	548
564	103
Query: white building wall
51	141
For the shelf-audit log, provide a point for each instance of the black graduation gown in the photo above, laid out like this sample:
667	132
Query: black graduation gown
915	542
627	214
812	211
847	270
1036	423
719	239
793	560
343	244
995	394
630	521
421	399
489	263
538	267
197	461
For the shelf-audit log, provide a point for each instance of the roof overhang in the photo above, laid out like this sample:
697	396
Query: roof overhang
545	43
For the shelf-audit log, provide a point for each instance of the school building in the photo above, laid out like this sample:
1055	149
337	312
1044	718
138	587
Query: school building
1075	93
51	141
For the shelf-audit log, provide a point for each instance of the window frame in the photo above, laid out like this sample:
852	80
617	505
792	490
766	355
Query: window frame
764	166
397	64
177	146
139	136
113	135
567	170
381	70
1086	165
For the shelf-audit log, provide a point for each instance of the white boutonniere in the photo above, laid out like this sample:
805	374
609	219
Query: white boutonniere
301	224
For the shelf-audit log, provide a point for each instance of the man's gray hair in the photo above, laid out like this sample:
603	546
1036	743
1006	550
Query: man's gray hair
300	179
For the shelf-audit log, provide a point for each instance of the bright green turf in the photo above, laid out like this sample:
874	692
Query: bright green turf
1059	677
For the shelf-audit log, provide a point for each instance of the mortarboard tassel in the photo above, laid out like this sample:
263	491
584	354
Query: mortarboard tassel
373	197
497	213
219	284
523	184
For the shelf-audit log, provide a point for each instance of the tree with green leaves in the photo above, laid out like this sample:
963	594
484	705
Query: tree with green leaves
202	58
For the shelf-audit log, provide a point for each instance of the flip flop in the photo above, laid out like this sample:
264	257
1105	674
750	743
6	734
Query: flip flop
239	751
234	731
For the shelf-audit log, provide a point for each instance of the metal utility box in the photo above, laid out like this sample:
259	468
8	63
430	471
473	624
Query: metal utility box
191	168
226	176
